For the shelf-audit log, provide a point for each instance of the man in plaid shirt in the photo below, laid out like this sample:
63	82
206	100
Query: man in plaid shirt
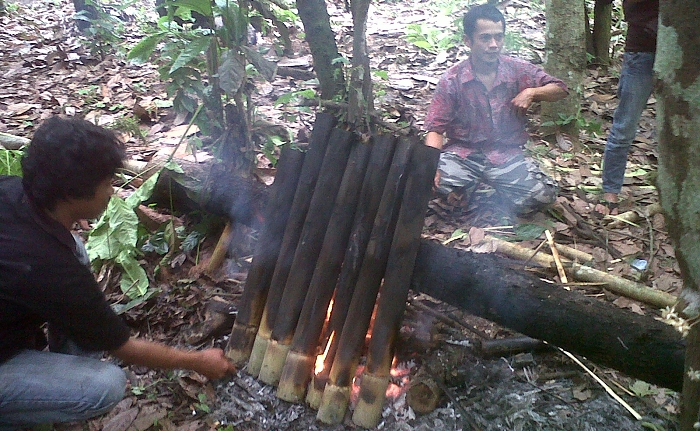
480	105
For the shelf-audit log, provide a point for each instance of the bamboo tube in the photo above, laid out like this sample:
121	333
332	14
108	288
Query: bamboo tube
266	251
370	197
397	280
315	392
307	252
297	214
370	403
320	289
574	254
613	283
352	337
334	404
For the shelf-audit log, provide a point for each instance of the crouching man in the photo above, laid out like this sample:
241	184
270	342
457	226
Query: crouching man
45	278
480	105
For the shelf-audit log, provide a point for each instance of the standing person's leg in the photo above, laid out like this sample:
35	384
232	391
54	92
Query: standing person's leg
634	89
458	174
43	387
522	184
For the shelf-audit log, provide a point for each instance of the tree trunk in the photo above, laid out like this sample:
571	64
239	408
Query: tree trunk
678	69
483	285
360	98
566	59
602	21
324	50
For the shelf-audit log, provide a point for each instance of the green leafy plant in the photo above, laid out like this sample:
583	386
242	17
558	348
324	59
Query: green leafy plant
202	405
105	29
115	237
205	65
590	126
434	40
10	162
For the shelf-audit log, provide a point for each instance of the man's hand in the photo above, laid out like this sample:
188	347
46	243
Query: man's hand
214	364
524	99
211	362
547	93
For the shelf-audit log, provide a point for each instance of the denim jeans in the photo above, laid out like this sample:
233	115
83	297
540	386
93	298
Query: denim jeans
633	91
38	387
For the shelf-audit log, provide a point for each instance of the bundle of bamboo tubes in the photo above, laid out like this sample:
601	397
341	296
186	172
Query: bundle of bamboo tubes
342	226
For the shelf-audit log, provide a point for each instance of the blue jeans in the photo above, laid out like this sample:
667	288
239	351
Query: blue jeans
38	387
633	91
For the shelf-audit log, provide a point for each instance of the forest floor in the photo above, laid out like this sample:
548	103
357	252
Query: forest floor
47	68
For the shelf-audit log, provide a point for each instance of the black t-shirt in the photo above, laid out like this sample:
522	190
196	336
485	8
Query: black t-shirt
643	20
42	280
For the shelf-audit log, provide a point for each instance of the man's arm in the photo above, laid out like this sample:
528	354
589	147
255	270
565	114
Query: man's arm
211	362
548	93
435	140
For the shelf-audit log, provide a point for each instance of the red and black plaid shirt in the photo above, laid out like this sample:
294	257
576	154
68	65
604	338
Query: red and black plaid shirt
475	119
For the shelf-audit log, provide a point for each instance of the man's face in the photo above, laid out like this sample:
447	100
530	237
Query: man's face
91	208
487	41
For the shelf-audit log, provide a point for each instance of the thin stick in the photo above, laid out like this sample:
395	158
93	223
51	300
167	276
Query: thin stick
555	255
607	388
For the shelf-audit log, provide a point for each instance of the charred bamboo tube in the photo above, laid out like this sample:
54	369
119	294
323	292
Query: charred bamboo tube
364	297
370	198
296	373
266	251
424	394
307	252
297	214
397	280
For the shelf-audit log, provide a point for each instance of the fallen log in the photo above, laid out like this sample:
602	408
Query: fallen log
12	142
485	285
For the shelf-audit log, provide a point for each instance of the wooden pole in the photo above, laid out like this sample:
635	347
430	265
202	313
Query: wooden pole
336	395
266	252
397	279
307	252
300	206
297	370
370	197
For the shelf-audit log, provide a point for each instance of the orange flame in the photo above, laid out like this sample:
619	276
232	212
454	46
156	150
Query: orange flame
320	358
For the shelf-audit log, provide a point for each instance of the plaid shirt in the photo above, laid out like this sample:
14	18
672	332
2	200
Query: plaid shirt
475	119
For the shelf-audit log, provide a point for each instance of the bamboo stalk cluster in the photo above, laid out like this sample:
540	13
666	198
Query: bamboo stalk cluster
350	235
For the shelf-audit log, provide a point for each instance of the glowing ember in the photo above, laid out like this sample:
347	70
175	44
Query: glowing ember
400	377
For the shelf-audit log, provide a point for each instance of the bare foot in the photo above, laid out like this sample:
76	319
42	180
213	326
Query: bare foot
608	205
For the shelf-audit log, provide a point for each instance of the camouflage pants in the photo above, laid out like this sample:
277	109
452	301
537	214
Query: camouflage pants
522	186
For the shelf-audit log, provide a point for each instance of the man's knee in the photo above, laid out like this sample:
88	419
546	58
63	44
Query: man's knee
539	196
108	386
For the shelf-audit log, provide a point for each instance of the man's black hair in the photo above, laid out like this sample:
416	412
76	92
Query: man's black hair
68	158
482	11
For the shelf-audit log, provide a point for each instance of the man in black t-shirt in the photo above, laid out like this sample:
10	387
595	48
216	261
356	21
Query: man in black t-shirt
44	278
633	91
